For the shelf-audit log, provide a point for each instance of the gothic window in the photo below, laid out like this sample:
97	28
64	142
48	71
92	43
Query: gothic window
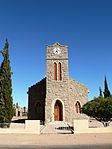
78	107
55	71
38	107
59	71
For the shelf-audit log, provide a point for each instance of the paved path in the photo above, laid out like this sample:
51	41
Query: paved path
71	141
59	147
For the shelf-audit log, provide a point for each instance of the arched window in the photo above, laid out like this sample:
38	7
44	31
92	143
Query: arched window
38	110
78	107
55	71
59	71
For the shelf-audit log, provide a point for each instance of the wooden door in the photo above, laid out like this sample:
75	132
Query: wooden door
56	113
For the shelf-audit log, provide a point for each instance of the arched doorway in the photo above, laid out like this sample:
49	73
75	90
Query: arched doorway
58	111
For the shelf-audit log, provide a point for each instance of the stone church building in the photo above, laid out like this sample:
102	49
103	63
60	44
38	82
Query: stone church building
56	97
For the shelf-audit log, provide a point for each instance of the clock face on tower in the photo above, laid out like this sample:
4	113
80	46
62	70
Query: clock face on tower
57	51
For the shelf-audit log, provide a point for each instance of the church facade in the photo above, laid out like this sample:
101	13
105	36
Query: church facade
56	97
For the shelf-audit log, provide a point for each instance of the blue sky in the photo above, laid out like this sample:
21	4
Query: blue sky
84	25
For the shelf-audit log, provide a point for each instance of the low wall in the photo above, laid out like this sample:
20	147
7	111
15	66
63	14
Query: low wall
31	127
82	126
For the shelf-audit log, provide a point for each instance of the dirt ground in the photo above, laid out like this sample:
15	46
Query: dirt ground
59	139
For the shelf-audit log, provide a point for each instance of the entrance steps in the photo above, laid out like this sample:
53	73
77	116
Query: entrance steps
56	127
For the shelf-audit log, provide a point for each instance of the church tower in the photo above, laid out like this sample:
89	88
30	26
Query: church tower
57	96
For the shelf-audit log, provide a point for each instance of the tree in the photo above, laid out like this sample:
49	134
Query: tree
106	90
99	108
100	90
14	110
2	104
6	94
17	105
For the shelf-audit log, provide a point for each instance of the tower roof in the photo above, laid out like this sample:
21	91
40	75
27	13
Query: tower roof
56	44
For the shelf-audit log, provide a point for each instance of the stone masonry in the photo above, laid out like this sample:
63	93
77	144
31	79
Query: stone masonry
56	97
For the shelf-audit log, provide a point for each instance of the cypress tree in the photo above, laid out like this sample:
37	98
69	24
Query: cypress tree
7	100
106	90
100	90
2	104
2	111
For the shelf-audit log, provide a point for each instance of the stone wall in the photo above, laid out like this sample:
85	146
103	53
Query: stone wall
77	92
48	90
36	100
57	90
66	90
